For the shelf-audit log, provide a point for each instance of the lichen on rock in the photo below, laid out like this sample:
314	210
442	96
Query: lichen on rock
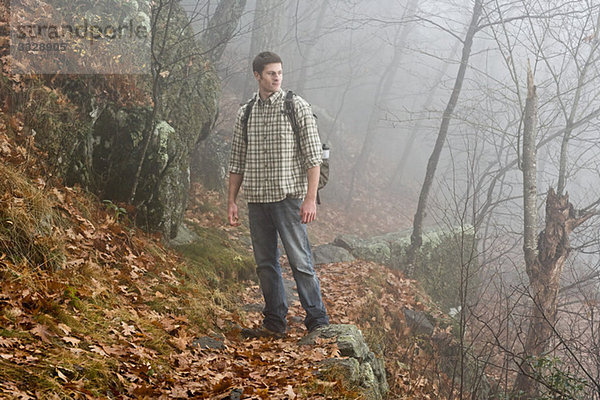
98	141
361	367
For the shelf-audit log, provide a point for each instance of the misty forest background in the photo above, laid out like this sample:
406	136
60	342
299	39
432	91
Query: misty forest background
479	118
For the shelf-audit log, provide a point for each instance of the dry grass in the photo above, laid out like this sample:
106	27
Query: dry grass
28	224
76	285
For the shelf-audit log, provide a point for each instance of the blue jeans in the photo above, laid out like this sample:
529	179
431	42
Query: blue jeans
267	220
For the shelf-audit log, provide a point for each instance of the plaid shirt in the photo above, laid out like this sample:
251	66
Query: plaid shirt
271	163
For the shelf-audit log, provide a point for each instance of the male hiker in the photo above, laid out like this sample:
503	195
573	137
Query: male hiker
280	185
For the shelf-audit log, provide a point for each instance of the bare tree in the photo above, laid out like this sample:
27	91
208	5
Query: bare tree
266	33
382	93
222	27
416	236
530	221
308	48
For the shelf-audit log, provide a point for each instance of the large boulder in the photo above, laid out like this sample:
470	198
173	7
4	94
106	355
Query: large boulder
97	138
418	322
114	152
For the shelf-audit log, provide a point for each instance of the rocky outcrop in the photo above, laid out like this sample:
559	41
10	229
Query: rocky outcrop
442	255
99	144
361	367
328	253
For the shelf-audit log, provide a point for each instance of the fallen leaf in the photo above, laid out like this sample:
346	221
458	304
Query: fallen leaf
61	375
179	342
64	328
42	332
71	340
289	391
98	350
128	330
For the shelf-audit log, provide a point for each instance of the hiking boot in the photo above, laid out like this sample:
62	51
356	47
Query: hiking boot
262	332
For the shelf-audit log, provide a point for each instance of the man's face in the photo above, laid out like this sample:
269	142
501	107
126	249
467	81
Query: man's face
270	80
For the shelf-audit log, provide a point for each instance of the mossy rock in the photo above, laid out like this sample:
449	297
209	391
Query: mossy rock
94	136
443	254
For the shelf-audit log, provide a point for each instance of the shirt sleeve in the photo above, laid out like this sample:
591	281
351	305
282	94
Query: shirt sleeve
309	133
237	159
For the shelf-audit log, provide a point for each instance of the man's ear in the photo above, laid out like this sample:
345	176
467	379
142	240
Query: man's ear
256	75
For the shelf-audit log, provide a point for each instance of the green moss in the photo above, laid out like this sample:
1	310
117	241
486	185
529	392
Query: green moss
216	258
446	259
70	294
11	333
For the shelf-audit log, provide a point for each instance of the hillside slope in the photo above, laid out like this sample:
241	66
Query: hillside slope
92	307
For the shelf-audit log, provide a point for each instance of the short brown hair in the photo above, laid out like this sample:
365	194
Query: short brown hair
264	58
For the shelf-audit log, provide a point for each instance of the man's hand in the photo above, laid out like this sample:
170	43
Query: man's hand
235	181
308	211
234	219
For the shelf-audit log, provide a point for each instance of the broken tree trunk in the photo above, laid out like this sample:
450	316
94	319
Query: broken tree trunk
544	281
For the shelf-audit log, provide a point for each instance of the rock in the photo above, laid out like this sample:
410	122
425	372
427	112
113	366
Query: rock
163	185
353	344
253	307
369	382
100	146
236	394
378	366
418	322
210	160
373	249
184	236
362	368
438	263
349	368
329	253
348	242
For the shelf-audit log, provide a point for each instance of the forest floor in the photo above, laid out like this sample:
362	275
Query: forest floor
92	307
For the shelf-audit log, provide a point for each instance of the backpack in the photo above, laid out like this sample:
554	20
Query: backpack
288	106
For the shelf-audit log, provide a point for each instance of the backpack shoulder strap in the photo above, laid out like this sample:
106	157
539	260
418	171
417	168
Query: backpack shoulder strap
290	110
246	117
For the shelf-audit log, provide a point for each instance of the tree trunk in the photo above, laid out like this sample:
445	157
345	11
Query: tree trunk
308	49
530	174
544	281
266	34
221	27
530	249
416	238
397	175
384	88
544	266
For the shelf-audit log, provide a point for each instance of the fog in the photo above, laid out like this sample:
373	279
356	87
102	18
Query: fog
385	79
380	74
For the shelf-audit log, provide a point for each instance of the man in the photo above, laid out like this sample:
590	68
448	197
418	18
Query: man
280	185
